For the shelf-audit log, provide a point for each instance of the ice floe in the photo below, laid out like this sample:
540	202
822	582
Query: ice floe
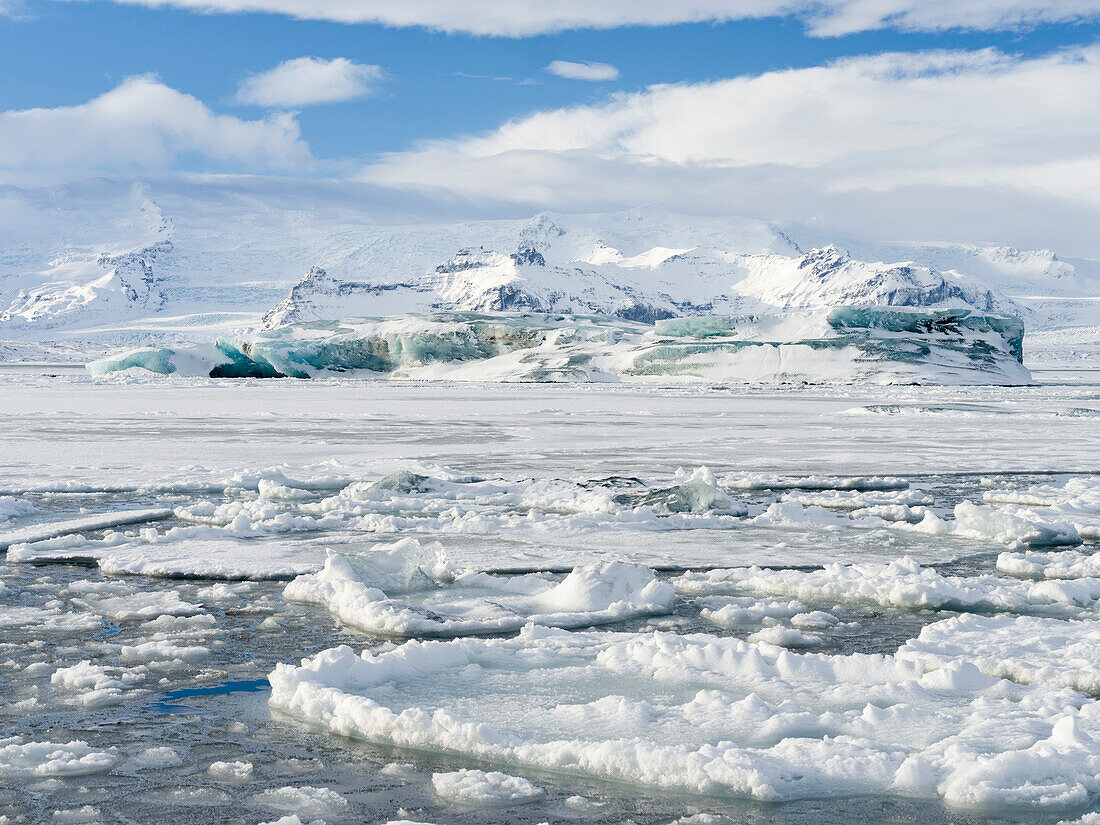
1022	648
716	716
161	651
304	801
902	583
234	771
433	603
478	788
101	521
12	508
76	758
96	685
180	552
1061	564
1075	502
139	606
50	618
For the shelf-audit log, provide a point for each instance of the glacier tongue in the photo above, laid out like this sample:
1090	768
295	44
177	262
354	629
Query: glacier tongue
878	344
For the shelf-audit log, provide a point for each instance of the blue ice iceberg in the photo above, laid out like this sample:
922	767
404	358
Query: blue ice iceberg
841	344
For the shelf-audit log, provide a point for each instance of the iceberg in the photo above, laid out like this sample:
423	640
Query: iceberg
841	344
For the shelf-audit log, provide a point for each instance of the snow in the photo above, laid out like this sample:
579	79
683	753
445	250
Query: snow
483	789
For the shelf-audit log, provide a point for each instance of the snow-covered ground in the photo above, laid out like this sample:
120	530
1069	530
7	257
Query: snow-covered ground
356	600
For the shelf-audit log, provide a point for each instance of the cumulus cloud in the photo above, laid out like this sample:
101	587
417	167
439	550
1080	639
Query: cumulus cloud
940	142
306	81
143	124
583	71
519	19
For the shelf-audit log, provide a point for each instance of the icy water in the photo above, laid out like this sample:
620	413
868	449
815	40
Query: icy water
976	506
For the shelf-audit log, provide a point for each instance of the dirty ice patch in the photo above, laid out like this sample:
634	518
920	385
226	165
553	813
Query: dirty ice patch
709	715
1021	648
474	603
901	584
181	552
483	789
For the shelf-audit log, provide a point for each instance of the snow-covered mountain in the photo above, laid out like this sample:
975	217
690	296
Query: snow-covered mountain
122	264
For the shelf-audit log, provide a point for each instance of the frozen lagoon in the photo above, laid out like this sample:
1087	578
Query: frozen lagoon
954	502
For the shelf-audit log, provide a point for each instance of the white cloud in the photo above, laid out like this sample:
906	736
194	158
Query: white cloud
143	124
513	18
583	71
943	143
306	81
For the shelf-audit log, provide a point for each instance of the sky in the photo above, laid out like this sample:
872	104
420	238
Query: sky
901	119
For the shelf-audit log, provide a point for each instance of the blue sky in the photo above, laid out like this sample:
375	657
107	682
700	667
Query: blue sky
899	119
58	54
